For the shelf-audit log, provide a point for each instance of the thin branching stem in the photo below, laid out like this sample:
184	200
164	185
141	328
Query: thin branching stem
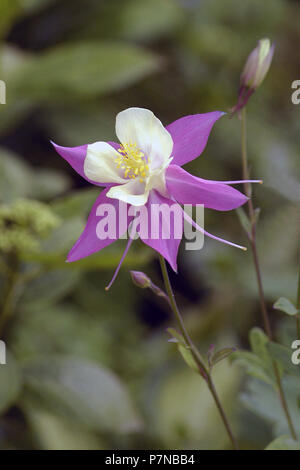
204	371
253	244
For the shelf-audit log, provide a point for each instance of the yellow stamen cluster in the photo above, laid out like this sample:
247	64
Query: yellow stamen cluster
133	161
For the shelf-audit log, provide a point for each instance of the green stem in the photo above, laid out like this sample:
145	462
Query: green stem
206	374
252	240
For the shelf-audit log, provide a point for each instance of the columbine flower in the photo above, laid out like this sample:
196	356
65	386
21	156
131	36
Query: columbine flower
145	169
255	70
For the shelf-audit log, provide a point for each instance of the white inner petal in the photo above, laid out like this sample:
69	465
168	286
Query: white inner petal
100	166
140	164
133	192
141	126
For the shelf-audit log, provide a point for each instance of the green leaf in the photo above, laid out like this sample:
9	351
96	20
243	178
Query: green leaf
62	238
183	348
48	288
139	18
283	443
11	383
221	354
54	433
48	183
259	341
76	203
175	336
184	411
188	357
286	306
136	20
262	399
259	362
84	69
17	179
82	392
14	176
73	128
283	355
63	328
253	364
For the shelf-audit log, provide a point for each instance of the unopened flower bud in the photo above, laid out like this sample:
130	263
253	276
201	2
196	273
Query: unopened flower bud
255	70
258	64
140	279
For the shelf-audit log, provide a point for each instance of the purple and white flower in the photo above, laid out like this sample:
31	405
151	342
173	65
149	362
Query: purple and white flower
144	169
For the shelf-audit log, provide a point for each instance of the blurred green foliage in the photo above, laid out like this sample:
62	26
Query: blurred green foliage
88	369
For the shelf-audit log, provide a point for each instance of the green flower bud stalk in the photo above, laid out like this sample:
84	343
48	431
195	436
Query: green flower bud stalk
255	70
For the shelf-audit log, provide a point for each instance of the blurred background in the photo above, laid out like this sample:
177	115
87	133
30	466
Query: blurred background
87	369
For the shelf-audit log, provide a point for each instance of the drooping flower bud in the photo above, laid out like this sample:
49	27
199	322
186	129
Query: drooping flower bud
140	279
258	64
255	70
